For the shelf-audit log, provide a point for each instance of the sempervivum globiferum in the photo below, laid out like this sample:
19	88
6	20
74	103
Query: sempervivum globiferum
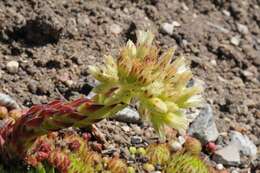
157	82
140	74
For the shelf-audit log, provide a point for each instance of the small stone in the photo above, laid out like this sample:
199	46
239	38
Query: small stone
225	12
83	20
109	151
184	6
12	67
69	83
220	167
235	40
243	29
167	28
128	115
7	101
175	23
136	140
246	146
234	171
181	140
115	29
213	62
228	155
175	146
72	26
125	128
148	167
204	126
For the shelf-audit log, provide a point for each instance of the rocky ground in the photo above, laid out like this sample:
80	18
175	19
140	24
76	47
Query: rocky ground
46	46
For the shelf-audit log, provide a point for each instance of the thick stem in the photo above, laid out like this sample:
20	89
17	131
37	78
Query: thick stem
40	119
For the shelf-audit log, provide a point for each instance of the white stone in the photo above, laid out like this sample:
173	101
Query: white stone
175	146
234	171
243	29
12	66
220	166
90	95
83	20
245	145
184	6
69	83
227	13
175	23
235	40
228	155
181	140
213	62
125	128
115	29
167	28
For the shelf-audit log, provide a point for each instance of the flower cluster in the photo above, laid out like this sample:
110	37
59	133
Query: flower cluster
156	81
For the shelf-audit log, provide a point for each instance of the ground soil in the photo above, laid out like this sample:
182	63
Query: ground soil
55	40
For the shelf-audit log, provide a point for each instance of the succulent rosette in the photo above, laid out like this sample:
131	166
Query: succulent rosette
158	83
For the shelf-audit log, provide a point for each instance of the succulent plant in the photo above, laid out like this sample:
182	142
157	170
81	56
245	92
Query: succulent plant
157	83
158	154
138	74
186	163
115	165
192	145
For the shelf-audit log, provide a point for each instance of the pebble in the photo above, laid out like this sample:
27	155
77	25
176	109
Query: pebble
181	140
220	166
115	29
245	145
175	23
69	83
125	128
175	146
136	140
235	40
128	115
204	126
109	151
12	67
83	20
167	28
228	155
243	29
72	26
7	101
225	12
184	6
234	171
